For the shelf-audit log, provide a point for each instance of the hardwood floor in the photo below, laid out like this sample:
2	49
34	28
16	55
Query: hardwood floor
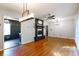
45	47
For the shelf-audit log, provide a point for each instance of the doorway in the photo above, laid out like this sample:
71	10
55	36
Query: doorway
12	36
46	30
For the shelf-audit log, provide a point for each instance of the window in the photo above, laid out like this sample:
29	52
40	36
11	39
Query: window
6	28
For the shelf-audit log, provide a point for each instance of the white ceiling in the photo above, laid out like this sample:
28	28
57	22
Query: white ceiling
58	9
43	9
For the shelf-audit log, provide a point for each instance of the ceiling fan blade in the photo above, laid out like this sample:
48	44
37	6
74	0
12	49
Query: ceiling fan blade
53	18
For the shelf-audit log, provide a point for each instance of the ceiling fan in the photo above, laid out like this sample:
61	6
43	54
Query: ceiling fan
50	16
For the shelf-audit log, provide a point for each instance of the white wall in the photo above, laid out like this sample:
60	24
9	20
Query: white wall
10	13
1	33
45	23
27	31
77	31
64	27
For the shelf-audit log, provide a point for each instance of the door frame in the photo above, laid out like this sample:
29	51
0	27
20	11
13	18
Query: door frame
3	35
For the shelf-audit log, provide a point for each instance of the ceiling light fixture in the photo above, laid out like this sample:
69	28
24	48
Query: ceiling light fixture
25	10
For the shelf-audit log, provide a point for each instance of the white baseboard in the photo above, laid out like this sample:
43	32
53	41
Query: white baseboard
62	37
27	42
